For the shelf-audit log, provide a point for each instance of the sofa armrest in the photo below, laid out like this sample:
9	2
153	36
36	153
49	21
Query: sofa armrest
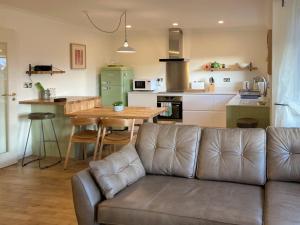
86	196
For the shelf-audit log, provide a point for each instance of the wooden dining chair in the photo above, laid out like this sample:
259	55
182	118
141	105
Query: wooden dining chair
116	137
83	135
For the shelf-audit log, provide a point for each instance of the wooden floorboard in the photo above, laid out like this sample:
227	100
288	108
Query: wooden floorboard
32	196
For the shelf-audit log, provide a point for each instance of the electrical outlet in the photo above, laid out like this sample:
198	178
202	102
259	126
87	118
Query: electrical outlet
226	79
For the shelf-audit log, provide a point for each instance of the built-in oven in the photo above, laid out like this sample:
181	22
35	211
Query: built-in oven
174	108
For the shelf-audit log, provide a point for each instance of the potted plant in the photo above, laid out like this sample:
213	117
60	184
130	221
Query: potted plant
118	106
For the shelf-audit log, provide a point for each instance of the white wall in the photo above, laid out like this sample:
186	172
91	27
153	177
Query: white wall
201	47
45	41
41	40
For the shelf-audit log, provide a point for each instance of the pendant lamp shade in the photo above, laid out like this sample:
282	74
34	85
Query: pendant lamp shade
126	48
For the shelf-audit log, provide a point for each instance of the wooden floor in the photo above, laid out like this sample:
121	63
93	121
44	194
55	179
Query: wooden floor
32	196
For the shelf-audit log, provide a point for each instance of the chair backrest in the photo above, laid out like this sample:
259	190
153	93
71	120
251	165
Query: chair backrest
114	122
118	123
84	121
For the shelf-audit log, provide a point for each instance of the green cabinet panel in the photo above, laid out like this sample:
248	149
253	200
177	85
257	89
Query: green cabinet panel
111	94
115	83
111	78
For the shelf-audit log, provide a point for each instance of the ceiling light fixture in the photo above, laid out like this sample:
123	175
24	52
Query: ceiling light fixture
125	48
221	22
175	24
128	26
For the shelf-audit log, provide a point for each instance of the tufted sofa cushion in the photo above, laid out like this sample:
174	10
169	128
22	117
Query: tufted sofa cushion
169	149
234	155
283	154
117	171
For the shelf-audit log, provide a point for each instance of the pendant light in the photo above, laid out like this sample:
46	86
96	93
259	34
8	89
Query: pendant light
126	48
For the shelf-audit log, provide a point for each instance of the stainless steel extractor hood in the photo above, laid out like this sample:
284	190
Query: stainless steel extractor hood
177	67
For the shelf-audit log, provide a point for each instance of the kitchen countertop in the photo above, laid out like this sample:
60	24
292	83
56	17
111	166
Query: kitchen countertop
191	92
237	101
70	99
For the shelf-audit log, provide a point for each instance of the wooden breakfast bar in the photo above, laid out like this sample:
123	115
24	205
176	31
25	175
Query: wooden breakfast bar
81	107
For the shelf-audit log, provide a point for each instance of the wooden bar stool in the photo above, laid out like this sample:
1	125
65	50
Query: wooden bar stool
83	135
41	116
116	137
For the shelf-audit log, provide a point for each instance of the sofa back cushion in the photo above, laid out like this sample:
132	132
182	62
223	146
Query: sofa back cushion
283	153
234	155
169	149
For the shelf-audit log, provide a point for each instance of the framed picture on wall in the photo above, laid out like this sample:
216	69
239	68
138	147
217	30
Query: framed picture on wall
78	56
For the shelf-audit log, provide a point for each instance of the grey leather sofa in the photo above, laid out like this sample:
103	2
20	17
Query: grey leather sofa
209	176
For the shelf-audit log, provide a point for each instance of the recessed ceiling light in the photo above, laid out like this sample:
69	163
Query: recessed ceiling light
220	21
175	24
128	26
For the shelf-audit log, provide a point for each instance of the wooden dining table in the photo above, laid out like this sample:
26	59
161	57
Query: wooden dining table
143	113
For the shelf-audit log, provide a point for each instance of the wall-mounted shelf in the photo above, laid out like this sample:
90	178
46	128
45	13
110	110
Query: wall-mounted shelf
51	72
236	67
44	72
231	69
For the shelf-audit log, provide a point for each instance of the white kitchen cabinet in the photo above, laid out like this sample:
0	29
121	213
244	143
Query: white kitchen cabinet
205	118
206	102
142	99
205	110
198	102
220	102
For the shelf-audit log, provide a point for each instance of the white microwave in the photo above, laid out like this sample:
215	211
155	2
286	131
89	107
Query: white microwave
144	85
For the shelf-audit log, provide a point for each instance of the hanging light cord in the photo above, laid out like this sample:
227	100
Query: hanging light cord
106	31
125	25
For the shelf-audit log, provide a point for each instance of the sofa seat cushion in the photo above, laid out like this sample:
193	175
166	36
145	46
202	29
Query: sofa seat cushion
163	200
282	204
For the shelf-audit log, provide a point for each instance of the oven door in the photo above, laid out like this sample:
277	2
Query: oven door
174	111
139	85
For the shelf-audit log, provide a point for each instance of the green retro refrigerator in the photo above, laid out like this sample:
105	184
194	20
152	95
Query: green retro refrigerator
115	83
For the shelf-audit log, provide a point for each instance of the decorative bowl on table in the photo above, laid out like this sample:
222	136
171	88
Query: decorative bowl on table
118	106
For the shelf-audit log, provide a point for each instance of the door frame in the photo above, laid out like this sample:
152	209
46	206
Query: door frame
13	132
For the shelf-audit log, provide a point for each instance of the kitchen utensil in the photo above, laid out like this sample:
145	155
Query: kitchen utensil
246	85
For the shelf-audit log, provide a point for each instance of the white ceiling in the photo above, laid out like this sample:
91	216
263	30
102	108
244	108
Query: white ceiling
149	14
